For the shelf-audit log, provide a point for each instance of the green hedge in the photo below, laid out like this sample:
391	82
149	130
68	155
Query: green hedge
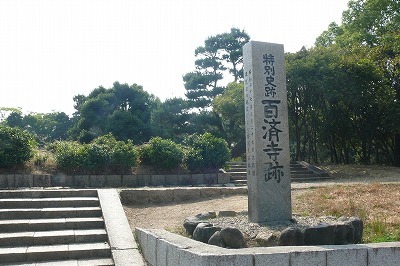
16	146
103	155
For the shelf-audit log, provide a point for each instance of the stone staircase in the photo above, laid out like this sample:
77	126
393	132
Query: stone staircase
52	227
300	172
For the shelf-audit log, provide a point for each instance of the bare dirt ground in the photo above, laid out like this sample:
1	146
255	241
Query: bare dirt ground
170	216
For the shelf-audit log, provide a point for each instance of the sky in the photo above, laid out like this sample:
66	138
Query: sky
52	50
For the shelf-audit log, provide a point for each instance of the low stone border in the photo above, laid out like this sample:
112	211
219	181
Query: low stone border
113	181
162	248
165	195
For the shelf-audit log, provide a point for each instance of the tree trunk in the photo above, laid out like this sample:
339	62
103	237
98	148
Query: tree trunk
396	151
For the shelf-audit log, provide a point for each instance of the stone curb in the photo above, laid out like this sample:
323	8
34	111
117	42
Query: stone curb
162	248
122	243
165	195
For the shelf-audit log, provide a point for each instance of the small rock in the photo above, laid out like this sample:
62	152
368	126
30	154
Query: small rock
204	231
323	234
227	213
190	224
232	237
206	215
216	240
291	237
266	239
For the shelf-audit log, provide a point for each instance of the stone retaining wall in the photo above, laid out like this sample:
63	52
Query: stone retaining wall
100	181
162	248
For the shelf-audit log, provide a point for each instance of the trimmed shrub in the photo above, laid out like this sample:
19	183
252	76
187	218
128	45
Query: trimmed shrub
206	152
16	146
163	153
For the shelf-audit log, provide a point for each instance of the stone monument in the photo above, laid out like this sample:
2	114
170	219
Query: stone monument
267	133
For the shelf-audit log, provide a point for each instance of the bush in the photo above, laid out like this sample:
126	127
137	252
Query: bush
16	146
163	153
193	159
98	158
124	156
206	152
70	156
103	155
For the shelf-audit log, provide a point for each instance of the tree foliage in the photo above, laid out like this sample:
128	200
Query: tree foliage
170	119
219	53
45	127
230	108
122	110
344	93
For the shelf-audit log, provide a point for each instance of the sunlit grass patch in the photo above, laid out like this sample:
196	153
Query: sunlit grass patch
378	205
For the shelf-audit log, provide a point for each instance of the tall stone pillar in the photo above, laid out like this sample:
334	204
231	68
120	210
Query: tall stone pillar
267	133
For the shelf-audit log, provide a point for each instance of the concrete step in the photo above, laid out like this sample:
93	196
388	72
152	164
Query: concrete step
310	178
237	166
60	193
243	177
81	262
238	174
236	163
241	170
302	175
296	165
54	252
29	225
302	172
240	182
8	214
10	203
52	237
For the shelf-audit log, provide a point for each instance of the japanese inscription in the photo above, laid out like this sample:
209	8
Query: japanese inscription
249	114
271	125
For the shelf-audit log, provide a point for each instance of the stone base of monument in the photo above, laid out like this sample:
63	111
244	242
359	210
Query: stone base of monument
229	229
